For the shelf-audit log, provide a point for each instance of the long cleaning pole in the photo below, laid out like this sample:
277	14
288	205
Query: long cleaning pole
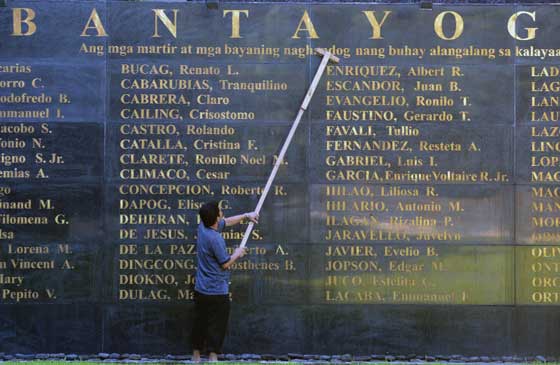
326	57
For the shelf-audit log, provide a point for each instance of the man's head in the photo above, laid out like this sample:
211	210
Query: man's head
209	213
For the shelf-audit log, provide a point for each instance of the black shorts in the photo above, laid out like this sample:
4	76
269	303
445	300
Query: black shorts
210	322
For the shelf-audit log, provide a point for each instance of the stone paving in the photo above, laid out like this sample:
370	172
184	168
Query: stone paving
287	358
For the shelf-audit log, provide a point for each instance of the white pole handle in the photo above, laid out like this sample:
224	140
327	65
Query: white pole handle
302	109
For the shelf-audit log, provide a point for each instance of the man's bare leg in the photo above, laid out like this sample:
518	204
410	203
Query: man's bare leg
213	357
196	356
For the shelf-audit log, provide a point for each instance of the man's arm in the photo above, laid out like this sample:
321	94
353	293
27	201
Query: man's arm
238	253
252	216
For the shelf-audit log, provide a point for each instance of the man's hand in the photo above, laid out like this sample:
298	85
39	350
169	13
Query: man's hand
253	217
240	252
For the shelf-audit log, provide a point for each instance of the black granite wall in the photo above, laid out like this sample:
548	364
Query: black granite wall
417	210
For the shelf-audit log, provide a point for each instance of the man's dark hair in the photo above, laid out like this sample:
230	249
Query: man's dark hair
209	212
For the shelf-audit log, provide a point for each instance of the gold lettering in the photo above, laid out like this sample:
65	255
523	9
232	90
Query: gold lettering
459	25
18	21
235	21
171	26
376	25
531	32
97	25
309	28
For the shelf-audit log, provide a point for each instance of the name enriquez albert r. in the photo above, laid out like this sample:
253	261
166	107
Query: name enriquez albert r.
94	25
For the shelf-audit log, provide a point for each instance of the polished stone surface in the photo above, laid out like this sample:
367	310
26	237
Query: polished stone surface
416	214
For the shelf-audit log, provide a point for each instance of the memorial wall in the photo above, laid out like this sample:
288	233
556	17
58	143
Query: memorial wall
417	211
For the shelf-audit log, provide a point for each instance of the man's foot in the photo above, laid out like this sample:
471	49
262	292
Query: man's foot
213	357
196	356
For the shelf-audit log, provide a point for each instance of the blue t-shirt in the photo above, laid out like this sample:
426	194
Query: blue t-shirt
211	252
